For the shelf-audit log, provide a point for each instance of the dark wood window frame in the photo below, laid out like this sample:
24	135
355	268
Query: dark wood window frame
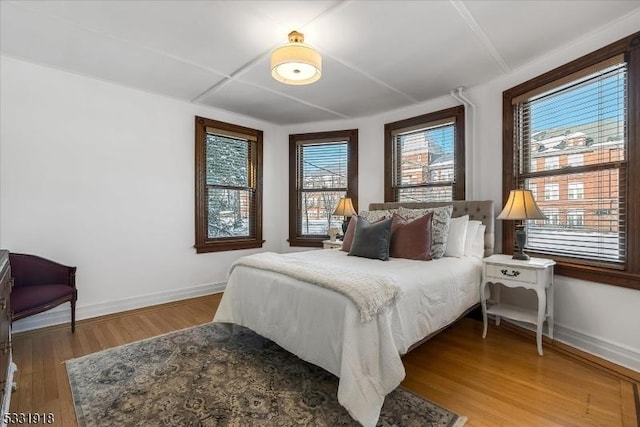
203	242
629	276
458	191
349	135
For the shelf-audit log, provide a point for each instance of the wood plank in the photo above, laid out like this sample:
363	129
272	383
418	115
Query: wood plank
37	367
65	414
23	357
630	396
580	355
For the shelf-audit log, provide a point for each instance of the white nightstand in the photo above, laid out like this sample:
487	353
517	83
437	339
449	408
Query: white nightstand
328	244
535	274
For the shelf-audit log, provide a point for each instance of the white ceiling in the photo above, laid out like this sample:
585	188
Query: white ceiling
377	55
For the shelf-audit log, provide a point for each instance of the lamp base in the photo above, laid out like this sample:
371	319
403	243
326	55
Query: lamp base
521	240
345	224
521	256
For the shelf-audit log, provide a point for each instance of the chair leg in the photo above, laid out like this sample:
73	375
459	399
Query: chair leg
73	316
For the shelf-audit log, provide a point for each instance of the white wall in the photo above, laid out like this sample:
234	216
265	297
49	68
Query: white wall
102	177
598	318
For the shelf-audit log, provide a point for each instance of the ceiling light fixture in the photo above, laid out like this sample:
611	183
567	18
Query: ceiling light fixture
296	63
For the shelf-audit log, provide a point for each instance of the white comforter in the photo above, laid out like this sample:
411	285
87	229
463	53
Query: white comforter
323	327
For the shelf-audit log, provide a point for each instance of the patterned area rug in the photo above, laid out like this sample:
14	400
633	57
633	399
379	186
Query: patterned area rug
208	376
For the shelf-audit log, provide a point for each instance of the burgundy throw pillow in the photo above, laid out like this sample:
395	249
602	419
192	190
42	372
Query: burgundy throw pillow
411	239
348	235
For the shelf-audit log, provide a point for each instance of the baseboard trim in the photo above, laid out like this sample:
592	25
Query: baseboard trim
616	360
61	315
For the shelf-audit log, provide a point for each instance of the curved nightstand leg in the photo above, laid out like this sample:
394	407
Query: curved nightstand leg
496	291
550	299
483	303
542	309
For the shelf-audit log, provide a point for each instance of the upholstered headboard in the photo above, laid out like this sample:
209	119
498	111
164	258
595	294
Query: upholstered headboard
479	210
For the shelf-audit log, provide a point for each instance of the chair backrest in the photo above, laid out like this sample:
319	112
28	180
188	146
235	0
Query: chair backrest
30	270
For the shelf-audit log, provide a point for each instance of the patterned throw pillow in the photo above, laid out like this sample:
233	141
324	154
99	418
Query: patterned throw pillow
439	226
375	216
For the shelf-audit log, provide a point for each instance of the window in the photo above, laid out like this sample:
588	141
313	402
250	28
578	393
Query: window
424	157
553	218
551	163
534	190
575	160
228	186
323	167
551	191
575	218
575	191
584	114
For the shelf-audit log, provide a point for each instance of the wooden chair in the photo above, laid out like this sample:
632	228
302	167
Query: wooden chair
39	285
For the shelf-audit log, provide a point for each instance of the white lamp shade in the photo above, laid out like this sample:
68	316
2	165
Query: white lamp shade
296	63
521	205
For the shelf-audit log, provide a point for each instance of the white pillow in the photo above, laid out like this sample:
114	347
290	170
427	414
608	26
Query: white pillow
457	235
477	247
472	230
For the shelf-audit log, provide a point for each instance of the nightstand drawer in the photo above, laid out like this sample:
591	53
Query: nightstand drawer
517	274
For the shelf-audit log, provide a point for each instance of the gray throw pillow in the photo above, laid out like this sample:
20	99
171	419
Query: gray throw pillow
372	240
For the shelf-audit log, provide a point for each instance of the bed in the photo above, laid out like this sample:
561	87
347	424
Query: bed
326	328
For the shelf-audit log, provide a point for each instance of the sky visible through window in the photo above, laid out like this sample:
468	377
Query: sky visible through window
563	109
326	158
443	136
440	139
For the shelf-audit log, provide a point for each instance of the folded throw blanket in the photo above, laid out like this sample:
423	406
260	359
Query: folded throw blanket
371	294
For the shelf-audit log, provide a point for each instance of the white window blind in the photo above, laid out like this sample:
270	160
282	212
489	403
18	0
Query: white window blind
571	140
230	185
423	162
322	179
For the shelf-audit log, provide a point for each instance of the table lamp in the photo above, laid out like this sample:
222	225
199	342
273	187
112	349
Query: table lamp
521	206
345	209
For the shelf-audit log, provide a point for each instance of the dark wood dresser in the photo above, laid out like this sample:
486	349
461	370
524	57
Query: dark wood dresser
7	367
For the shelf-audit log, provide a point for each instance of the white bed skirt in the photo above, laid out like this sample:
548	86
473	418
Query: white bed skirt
323	327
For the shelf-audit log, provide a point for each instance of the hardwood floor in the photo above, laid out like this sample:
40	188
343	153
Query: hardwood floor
500	381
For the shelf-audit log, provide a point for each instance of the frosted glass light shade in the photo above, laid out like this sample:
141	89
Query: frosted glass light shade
296	63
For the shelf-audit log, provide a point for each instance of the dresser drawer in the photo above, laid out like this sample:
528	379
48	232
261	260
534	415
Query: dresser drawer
518	274
5	309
